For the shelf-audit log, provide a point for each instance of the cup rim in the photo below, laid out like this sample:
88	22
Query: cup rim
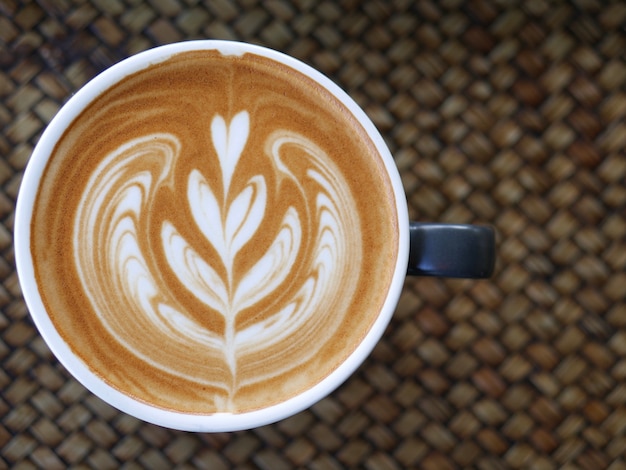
216	422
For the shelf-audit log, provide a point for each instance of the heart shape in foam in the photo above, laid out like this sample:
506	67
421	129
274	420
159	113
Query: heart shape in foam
229	142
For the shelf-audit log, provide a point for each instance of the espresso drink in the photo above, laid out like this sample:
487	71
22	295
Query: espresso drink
214	234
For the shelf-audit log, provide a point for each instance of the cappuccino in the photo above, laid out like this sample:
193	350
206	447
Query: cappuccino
214	233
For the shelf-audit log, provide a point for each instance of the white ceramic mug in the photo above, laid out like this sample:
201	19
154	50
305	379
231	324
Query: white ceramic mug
435	250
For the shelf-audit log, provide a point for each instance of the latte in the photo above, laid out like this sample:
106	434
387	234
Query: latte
214	233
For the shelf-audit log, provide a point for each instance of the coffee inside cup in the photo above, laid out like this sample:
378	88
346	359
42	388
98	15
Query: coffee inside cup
214	233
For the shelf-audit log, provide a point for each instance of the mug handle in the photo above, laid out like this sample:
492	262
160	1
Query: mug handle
451	250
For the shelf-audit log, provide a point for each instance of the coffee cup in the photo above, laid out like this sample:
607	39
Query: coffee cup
213	236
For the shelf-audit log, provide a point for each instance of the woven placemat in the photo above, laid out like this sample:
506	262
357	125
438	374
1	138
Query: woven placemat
508	113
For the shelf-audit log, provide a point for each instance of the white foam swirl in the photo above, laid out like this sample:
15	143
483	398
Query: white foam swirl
136	306
116	275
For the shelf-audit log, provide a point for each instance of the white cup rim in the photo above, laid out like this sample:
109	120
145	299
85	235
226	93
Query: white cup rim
217	422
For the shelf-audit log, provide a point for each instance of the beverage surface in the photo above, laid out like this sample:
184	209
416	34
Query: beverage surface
214	233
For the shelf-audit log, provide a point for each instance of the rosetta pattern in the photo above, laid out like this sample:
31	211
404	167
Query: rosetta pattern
117	276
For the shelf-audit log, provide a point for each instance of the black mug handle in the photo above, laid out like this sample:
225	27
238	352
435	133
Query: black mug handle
451	250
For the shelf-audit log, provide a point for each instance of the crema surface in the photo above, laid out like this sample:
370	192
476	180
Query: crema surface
214	233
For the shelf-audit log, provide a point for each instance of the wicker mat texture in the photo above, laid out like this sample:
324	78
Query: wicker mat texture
504	112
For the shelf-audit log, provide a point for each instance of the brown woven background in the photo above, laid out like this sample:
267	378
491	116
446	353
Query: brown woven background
509	113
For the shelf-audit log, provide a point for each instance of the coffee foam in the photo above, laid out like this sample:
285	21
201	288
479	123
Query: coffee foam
212	249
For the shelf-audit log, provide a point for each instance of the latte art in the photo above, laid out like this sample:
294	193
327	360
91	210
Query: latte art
128	294
205	233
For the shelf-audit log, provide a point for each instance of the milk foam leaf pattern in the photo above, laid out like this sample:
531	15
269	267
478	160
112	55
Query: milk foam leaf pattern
303	280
